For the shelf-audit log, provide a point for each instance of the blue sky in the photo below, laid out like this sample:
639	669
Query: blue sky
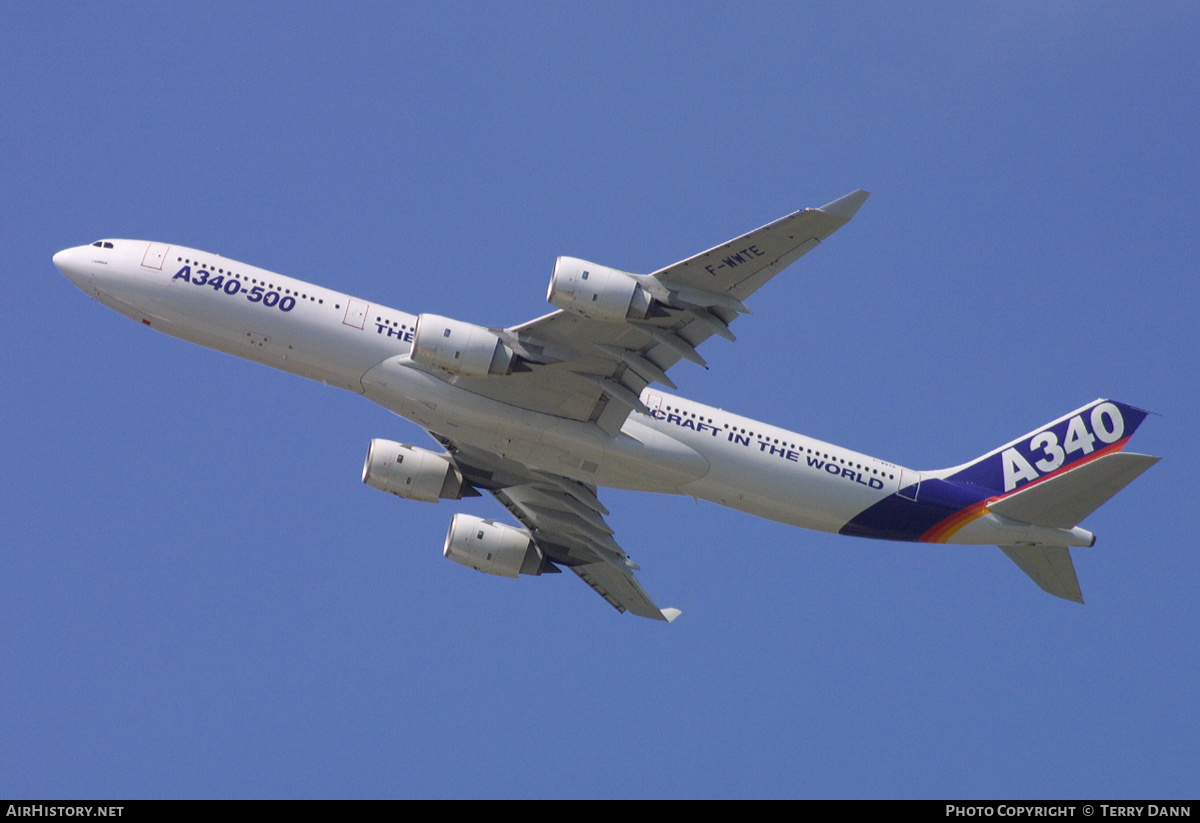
201	599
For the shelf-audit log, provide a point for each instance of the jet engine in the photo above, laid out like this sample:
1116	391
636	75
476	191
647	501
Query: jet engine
460	348
596	291
413	473
494	548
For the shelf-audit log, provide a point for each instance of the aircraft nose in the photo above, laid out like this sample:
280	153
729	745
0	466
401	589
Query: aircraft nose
67	262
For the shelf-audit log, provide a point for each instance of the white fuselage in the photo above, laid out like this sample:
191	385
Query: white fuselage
682	447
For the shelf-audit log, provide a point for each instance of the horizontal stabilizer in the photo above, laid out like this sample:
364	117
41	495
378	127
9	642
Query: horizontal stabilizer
1048	566
1062	501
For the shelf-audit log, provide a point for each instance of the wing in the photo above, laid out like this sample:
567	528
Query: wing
740	267
566	522
589	369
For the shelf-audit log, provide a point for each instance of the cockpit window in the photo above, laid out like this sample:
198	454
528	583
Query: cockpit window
98	244
108	245
102	244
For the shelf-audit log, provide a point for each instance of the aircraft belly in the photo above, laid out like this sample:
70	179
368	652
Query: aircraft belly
779	490
639	459
640	456
996	530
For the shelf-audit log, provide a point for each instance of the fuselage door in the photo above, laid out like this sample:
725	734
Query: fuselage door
356	313
910	484
155	254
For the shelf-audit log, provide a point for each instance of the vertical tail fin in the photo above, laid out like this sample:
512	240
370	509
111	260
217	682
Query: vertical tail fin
1100	428
1056	476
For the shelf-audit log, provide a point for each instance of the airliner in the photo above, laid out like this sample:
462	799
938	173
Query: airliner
543	414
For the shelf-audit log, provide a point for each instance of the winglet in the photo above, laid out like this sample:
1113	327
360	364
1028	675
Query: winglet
670	614
846	207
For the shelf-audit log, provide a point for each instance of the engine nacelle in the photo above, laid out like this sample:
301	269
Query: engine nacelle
460	348
596	291
412	472
492	547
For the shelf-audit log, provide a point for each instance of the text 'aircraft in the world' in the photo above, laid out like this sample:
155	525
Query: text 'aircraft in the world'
542	414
